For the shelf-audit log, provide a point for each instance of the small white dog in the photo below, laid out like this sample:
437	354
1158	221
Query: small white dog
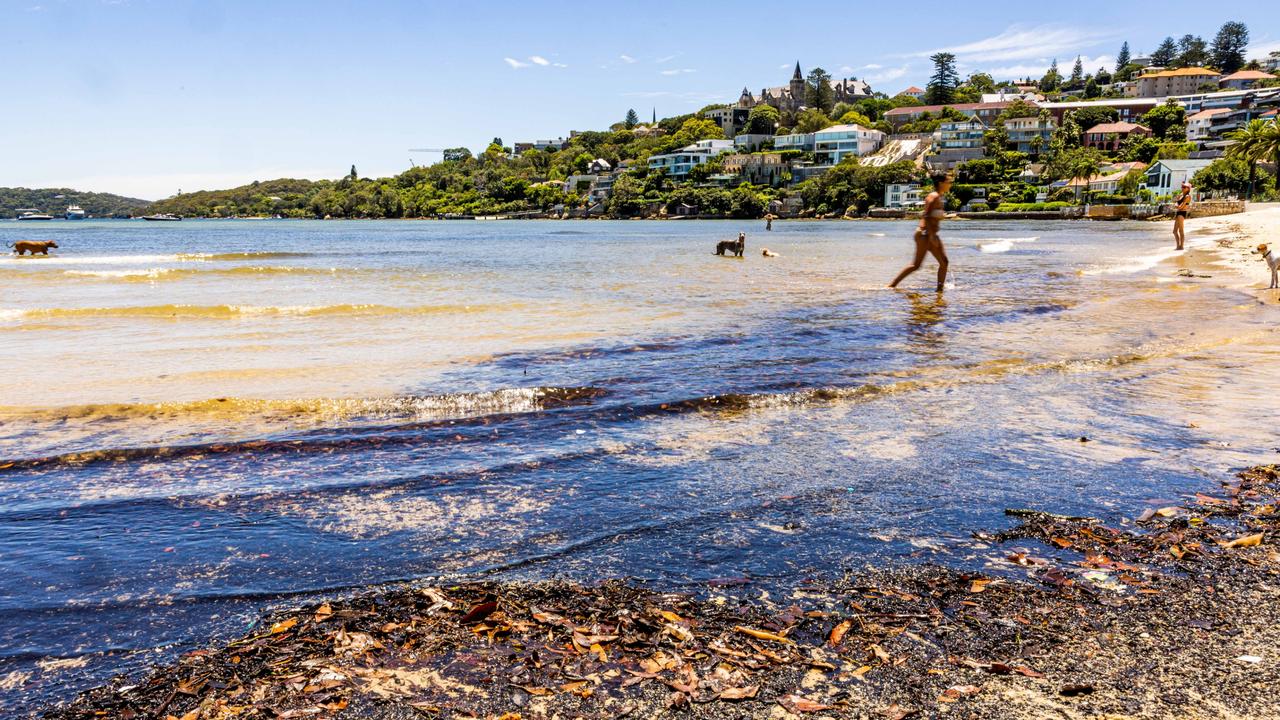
769	253
1273	262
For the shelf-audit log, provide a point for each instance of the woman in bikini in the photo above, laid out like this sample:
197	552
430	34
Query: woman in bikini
927	240
1180	215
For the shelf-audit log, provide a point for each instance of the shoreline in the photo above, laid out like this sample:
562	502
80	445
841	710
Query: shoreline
1100	626
1169	615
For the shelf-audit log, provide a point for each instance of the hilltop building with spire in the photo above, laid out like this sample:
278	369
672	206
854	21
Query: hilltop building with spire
790	97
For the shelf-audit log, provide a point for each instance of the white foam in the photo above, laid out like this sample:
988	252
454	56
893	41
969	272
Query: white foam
1004	245
100	259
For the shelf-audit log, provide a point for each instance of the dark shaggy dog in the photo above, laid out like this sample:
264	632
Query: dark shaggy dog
736	247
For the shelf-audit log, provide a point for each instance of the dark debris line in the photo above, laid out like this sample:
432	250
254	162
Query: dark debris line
1174	615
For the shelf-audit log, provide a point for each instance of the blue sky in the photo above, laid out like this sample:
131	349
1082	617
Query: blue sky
144	97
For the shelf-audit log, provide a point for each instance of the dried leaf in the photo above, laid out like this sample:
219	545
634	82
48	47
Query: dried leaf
323	612
283	625
861	671
1060	542
741	693
978	586
1028	672
795	703
838	632
1167	511
480	611
880	653
955	692
671	617
1246	541
763	635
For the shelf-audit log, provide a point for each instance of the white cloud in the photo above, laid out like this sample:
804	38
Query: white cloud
1021	42
678	71
1039	67
1260	49
887	74
667	58
514	63
871	66
784	66
627	59
561	65
539	60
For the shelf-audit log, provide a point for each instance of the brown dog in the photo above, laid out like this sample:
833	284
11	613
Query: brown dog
34	246
737	247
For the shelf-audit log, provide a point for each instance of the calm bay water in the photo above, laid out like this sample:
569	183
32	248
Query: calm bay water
202	419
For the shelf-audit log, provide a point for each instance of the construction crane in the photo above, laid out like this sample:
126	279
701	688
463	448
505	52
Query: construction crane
424	150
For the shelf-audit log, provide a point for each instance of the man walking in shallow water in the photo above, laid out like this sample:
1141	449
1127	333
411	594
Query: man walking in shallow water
927	240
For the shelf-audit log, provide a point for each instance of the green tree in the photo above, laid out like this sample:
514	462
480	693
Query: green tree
1052	79
1077	74
1089	116
853	117
817	90
1123	58
632	119
982	82
995	140
763	120
1165	53
812	120
1091	89
944	81
353	175
1229	47
1075	164
745	202
1192	51
458	154
1251	144
1166	121
1019	109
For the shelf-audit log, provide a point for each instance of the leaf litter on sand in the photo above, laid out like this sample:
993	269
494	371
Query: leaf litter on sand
908	640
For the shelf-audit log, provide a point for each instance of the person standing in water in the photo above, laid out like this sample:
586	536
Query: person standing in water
1183	208
927	240
768	222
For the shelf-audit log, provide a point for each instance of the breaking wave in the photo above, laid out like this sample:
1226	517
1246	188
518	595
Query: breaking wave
1004	245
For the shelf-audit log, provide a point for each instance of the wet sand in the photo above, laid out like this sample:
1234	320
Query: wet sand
1169	613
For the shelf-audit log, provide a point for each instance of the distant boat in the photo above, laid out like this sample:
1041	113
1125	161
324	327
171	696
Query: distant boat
33	215
162	217
75	212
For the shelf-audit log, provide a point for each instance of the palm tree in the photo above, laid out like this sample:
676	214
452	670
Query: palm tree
1273	145
1252	143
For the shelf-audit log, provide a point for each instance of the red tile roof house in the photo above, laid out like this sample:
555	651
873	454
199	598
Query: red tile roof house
913	91
1108	136
1244	79
986	112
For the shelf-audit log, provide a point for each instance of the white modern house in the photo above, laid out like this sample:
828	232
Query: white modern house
837	142
1165	177
1200	124
678	164
903	196
796	141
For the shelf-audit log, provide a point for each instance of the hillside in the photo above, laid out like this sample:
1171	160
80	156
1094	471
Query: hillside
284	196
55	201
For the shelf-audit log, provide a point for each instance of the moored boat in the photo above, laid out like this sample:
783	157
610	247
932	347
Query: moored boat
162	217
75	212
32	214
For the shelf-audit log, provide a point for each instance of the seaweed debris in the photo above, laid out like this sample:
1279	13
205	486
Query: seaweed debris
1173	614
